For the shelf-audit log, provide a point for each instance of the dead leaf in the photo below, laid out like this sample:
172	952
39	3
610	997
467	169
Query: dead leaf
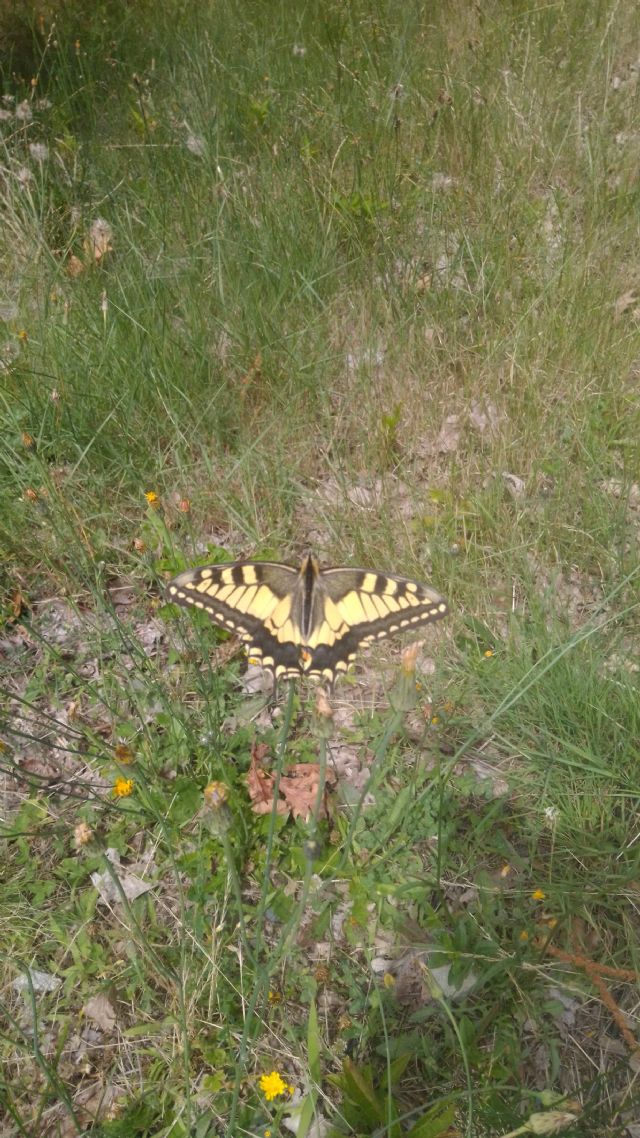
484	415
516	486
299	788
112	884
260	784
448	440
624	303
100	1011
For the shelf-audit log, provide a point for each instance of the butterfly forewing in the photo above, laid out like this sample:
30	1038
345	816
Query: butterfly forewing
242	596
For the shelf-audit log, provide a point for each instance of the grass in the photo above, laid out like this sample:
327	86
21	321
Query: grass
364	280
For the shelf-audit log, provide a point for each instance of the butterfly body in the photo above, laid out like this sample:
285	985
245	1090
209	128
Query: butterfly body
307	621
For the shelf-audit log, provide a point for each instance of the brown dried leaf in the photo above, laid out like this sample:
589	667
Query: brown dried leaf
260	784
100	1011
299	788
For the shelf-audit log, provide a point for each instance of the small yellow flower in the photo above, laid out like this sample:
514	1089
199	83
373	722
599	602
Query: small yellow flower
435	719
123	787
523	936
273	1085
489	653
274	996
538	895
123	753
23	335
152	497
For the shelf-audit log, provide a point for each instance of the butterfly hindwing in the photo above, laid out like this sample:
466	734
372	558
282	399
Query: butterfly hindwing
308	621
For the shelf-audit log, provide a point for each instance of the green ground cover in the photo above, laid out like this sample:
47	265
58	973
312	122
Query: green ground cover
362	278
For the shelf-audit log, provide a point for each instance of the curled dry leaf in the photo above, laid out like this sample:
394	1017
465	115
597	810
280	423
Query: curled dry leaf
100	1011
298	788
112	884
260	784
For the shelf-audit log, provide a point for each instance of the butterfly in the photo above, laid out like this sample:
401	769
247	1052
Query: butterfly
307	621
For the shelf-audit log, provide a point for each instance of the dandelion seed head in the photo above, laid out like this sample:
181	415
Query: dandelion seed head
39	151
24	112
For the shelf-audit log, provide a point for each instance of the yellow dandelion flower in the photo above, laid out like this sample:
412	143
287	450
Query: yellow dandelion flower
152	497
538	895
489	653
123	787
273	1085
23	335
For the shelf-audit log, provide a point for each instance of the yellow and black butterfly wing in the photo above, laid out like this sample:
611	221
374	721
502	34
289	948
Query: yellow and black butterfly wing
257	600
358	606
